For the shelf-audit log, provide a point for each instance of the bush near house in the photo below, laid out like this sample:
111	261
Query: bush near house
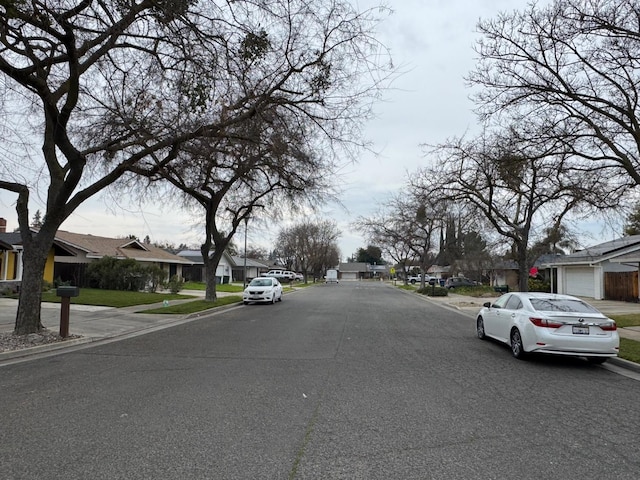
537	285
109	273
433	291
175	284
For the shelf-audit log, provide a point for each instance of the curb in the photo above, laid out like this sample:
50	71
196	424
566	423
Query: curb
49	347
68	345
627	364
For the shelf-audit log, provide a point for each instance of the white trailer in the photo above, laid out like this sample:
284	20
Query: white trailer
331	276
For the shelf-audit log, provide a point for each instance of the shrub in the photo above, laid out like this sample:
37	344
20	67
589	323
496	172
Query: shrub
156	276
112	274
537	285
175	284
433	291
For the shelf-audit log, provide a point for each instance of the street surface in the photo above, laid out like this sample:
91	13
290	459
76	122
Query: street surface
349	381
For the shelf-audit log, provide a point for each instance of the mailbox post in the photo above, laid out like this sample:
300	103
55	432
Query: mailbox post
65	293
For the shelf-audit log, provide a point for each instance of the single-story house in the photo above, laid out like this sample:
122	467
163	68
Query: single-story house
361	270
195	272
11	263
254	268
596	271
82	249
439	271
353	271
506	272
10	257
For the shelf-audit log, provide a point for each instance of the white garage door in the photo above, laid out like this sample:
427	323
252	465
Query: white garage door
579	281
349	275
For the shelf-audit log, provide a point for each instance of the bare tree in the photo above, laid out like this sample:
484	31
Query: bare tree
311	246
313	80
386	229
571	67
513	182
110	87
410	226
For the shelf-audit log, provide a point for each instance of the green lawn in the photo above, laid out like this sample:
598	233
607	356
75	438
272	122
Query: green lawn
629	350
195	306
115	298
630	320
224	287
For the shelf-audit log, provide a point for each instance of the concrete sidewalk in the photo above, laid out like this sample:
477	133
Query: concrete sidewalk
94	323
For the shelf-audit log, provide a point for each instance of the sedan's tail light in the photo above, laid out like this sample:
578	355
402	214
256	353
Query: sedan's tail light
609	327
543	322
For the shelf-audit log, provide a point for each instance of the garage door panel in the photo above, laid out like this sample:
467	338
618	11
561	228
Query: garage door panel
580	281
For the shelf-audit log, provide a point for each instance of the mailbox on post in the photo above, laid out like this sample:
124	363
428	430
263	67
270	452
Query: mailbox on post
65	293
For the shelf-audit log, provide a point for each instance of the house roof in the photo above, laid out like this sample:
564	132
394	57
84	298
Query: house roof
9	239
353	267
251	262
614	250
195	257
98	247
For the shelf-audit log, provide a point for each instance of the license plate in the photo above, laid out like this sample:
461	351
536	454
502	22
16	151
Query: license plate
580	330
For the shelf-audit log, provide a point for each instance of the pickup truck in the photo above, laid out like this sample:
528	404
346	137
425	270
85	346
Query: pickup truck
413	279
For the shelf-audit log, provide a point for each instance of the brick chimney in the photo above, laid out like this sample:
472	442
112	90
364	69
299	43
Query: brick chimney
3	225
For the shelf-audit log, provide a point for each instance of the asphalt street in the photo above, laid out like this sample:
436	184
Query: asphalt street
349	381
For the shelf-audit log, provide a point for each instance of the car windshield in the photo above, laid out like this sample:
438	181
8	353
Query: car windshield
261	282
561	305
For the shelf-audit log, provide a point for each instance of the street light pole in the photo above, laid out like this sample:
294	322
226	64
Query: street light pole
246	222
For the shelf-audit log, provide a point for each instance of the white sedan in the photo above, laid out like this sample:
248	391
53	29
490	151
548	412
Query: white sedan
549	323
263	289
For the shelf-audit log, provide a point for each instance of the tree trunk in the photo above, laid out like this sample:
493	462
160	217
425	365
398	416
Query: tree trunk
28	314
523	270
210	276
211	265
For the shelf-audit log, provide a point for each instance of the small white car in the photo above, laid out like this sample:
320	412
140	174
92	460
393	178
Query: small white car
263	290
535	322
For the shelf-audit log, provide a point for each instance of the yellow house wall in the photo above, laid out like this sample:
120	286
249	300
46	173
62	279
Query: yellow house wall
48	267
11	264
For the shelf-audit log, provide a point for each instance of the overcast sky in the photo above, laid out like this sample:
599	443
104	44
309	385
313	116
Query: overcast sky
432	42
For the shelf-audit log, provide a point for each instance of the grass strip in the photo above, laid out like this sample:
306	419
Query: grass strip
115	298
629	350
220	287
185	308
628	320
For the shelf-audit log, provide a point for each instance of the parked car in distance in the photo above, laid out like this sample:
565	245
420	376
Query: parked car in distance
299	277
413	279
263	289
282	275
535	322
453	282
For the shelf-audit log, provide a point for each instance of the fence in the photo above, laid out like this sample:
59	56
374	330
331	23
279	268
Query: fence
621	286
